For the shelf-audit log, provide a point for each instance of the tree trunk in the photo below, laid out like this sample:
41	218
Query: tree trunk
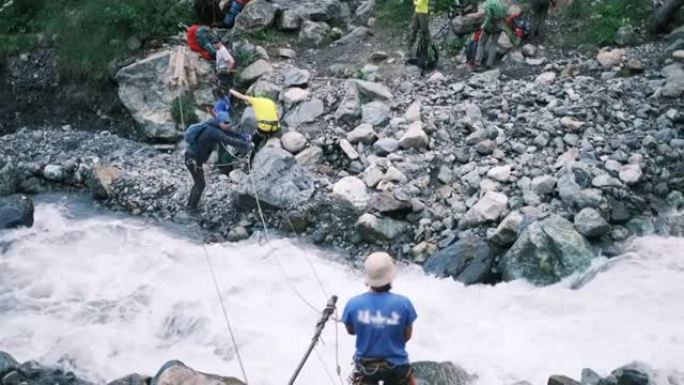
663	15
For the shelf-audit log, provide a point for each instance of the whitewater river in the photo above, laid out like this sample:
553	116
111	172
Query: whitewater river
107	295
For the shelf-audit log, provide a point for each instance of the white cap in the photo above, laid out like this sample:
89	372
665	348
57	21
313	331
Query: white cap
379	269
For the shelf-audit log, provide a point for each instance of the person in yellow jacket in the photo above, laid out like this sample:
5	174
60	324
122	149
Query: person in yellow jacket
267	121
420	24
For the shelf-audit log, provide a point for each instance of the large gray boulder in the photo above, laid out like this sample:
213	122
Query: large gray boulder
16	211
9	182
469	260
177	373
351	190
440	373
254	71
147	88
590	223
257	14
380	229
375	113
489	208
277	180
7	363
313	34
546	252
373	90
303	113
463	25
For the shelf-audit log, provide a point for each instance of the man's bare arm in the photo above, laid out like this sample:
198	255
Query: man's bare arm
408	332
350	329
238	95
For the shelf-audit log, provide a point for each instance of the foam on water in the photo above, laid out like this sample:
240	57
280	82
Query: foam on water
109	296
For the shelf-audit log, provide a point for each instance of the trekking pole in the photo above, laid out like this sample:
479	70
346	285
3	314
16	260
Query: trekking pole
329	310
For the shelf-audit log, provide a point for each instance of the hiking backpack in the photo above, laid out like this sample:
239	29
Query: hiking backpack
193	132
427	55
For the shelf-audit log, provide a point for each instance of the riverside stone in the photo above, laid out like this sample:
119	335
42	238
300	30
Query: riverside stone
631	173
352	190
176	373
293	141
363	133
590	223
500	173
376	229
254	71
375	113
546	252
385	146
488	208
15	211
507	231
373	90
304	113
469	260
414	137
349	109
436	373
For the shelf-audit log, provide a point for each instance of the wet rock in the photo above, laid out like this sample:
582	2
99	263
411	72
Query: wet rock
277	180
132	379
7	363
636	373
373	90
375	113
257	14
9	180
469	260
303	113
15	211
296	77
488	208
363	133
414	137
507	231
254	71
176	373
349	109
352	190
590	377
376	229
590	223
313	34
293	142
237	234
440	373
265	88
562	380
546	252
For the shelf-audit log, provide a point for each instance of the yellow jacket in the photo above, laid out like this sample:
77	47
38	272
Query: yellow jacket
421	6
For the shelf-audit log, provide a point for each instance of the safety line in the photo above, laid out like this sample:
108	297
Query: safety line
225	314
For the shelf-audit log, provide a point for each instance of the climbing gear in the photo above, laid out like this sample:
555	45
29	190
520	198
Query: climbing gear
329	310
370	370
268	126
519	24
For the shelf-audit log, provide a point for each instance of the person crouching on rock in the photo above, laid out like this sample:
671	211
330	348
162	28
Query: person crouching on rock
382	323
266	124
202	139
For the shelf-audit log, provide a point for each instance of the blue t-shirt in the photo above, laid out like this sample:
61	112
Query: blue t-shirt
222	105
379	321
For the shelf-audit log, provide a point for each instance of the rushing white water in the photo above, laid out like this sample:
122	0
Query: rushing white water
107	296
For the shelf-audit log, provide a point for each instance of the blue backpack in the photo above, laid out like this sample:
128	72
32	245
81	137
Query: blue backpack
193	132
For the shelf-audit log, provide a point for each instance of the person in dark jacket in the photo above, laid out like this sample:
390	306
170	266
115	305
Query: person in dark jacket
540	9
205	138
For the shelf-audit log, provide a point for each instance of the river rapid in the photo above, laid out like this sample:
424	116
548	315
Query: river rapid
107	295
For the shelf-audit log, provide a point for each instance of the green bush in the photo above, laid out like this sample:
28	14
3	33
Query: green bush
91	34
598	21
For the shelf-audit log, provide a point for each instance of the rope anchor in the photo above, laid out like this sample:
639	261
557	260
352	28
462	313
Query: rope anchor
325	316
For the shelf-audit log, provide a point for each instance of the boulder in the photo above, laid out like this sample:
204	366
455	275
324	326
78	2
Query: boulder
101	179
507	231
363	133
630	173
293	141
364	12
412	113
546	252
546	78
674	81
414	137
440	373
257	14
348	149
590	377
9	180
287	53
352	190
349	110
609	58
463	25
377	229
313	34
276	180
265	88
358	34
320	10
310	156
385	146
290	20
386	203
500	173
15	211
303	113
7	363
373	90
375	113
132	379
293	96
176	373
297	77
590	223
543	184
488	208
469	260
562	380
254	71
147	89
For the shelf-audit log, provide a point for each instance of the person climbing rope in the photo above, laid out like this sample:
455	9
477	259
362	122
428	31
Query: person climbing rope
494	23
202	139
225	64
266	123
382	323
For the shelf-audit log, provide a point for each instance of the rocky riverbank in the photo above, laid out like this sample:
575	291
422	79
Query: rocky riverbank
426	373
480	178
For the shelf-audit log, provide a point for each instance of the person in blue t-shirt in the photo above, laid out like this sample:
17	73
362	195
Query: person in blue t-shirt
382	323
